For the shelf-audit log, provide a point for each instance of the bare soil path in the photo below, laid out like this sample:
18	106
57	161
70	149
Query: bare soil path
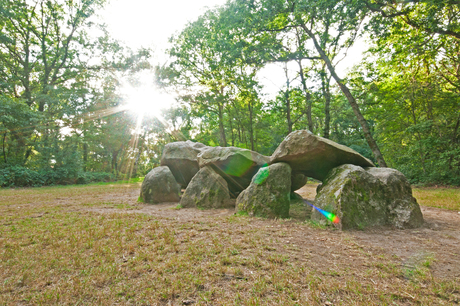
436	244
169	254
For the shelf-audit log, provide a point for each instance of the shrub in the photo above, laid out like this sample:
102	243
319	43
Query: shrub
17	176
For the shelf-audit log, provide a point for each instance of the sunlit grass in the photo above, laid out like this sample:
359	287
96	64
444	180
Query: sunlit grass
54	251
447	198
69	194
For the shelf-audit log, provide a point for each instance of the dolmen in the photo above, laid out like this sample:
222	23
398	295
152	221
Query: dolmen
353	189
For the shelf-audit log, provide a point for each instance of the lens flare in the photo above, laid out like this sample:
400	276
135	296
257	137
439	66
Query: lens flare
237	166
262	175
330	216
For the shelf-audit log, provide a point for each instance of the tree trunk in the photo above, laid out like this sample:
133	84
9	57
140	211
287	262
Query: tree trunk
454	141
351	100
85	156
251	130
308	101
288	112
138	157
4	149
26	77
288	102
223	140
231	129
325	81
114	162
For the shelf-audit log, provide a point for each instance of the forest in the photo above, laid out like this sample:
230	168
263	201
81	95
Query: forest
64	121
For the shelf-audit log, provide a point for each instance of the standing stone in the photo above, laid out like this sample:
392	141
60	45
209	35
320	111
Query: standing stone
364	198
299	208
298	180
354	195
404	211
268	195
315	156
237	166
160	186
207	190
181	158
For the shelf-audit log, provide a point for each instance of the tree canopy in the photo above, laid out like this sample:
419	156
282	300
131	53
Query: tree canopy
62	117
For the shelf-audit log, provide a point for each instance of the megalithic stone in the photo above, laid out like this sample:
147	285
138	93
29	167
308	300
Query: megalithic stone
315	156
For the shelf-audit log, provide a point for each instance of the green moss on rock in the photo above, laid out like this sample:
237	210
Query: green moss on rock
207	190
159	186
268	197
363	198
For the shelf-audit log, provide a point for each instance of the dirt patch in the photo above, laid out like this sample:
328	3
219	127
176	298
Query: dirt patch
169	211
169	254
435	245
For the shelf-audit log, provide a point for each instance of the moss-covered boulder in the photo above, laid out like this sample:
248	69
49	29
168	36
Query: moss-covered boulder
367	197
181	158
315	156
237	166
207	190
160	186
404	211
268	195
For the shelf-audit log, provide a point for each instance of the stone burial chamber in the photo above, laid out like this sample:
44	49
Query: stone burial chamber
237	166
352	188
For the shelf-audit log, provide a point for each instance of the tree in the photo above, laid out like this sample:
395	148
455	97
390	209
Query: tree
59	72
316	20
412	73
209	74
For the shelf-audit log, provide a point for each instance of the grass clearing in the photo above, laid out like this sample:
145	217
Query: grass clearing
447	198
55	250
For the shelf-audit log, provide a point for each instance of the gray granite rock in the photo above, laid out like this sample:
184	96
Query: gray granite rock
315	156
160	186
237	166
367	197
181	158
268	195
207	190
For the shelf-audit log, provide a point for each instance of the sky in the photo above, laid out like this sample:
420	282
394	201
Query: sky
150	23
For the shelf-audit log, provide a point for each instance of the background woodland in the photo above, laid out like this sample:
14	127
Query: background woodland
63	120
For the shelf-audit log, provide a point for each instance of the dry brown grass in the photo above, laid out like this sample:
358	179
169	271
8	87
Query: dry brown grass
447	198
53	250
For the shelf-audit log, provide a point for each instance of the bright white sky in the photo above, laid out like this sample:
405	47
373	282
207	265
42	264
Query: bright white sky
150	23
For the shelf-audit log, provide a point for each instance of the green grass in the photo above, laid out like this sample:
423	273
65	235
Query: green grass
129	181
447	198
53	250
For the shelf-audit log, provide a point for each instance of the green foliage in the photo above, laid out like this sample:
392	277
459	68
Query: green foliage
17	176
56	127
410	88
55	124
93	177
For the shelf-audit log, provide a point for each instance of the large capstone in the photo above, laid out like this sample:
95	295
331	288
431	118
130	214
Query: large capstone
268	195
237	166
181	158
206	190
160	186
315	156
367	197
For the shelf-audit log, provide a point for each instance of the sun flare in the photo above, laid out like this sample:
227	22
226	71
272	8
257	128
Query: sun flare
144	101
